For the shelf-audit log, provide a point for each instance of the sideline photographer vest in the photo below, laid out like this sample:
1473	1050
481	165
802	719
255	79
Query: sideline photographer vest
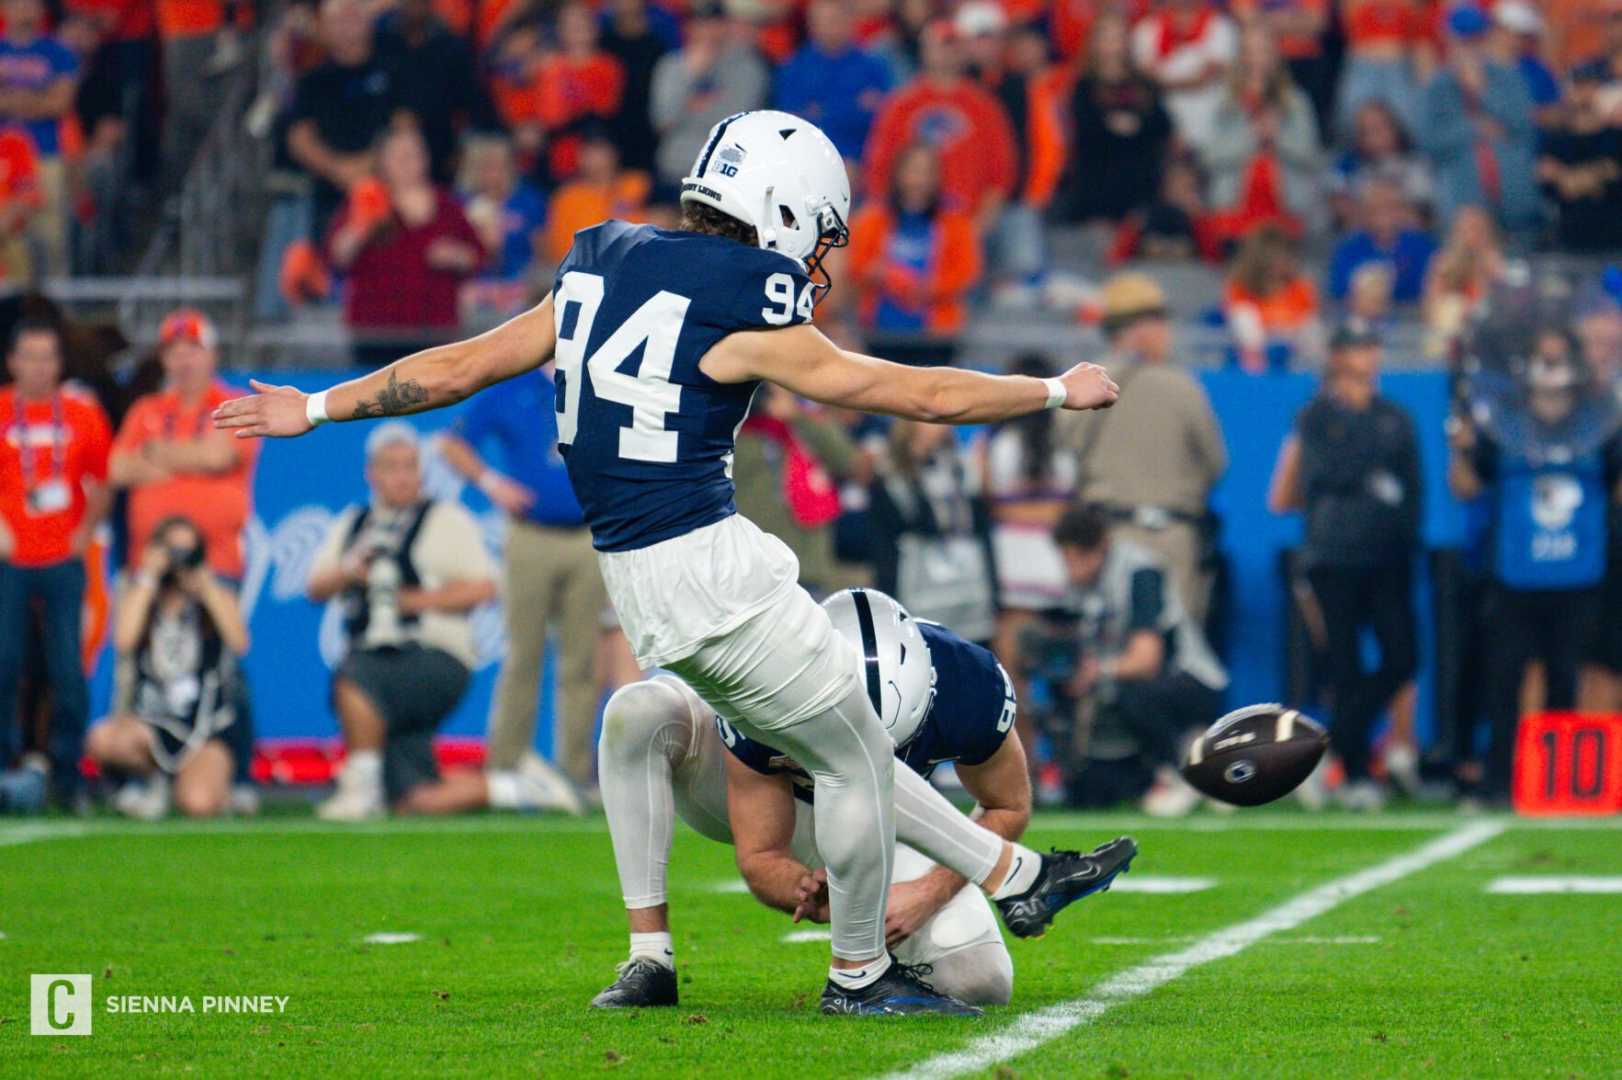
1551	522
358	609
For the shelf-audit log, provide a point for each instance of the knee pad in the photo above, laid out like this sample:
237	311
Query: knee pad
640	713
980	975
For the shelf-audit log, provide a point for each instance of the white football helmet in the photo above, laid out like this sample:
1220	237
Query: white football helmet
780	174
896	666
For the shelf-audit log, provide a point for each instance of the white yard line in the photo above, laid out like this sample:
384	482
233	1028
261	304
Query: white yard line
1550	883
391	937
1297	939
803	937
1044	1025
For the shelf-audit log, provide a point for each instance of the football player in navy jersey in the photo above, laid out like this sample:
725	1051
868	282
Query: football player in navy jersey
664	754
659	340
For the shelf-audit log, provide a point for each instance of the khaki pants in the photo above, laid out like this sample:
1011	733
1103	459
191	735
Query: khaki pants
551	576
50	225
1178	546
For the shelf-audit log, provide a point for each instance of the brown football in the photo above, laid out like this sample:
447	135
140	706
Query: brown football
1255	755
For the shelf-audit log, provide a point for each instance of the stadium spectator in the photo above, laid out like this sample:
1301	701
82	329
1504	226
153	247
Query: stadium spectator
962	121
832	81
1387	235
1300	30
914	256
431	73
1380	149
1176	226
1352	466
600	190
1516	41
790	459
406	247
509	215
930	531
20	200
408	571
1032	92
1143	658
631	36
1151	462
1269	139
53	493
172	461
1551	465
200	46
38	77
1390	53
1187	46
1476	125
551	579
1580	167
179	635
1460	275
1270	303
1119	132
578	83
340	108
710	78
1579	29
1031	479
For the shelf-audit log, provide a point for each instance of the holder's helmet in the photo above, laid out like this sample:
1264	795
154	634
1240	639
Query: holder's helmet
896	666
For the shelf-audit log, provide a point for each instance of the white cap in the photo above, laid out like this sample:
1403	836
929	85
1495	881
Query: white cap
391	433
979	17
1517	15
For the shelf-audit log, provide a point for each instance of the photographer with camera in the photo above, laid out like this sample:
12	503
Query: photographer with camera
408	570
1141	660
179	635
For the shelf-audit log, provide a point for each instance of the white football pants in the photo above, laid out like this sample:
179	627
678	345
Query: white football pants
660	757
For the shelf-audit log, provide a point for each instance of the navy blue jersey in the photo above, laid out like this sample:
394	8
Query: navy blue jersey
647	437
973	713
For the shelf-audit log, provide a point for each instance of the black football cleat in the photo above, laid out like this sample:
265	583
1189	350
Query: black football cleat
1066	876
900	991
642	983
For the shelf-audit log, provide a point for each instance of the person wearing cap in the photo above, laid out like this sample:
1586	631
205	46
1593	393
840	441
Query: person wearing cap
53	493
1580	167
712	76
1351	465
1516	40
170	459
1477	124
1152	466
407	571
1551	465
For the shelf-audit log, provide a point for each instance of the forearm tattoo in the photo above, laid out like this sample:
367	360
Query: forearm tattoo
393	400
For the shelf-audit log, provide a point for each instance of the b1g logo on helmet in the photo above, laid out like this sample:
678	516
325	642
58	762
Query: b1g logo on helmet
728	158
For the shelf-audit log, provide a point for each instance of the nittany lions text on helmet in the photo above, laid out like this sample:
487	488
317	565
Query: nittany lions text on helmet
896	666
780	174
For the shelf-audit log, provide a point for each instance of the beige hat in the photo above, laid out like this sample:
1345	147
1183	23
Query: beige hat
1127	297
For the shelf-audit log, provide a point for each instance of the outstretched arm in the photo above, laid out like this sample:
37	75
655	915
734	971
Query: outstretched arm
801	359
430	379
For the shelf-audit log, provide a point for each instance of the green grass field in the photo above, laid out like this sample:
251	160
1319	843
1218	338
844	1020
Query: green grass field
519	924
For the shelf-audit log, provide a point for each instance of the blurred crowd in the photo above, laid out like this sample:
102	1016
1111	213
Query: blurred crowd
1004	154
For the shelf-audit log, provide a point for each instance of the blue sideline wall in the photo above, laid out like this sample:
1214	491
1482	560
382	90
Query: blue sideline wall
301	483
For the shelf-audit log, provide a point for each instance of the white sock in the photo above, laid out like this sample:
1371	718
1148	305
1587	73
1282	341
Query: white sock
656	946
364	768
503	791
856	978
1022	873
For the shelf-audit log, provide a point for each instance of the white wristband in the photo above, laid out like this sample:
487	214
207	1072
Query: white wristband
315	409
1057	394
